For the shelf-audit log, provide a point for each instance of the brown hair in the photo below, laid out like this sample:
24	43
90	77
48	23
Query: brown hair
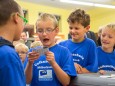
79	16
7	7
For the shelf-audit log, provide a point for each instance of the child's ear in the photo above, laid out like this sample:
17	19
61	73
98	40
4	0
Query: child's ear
87	28
57	30
15	18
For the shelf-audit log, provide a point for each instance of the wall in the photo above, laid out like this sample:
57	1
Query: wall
99	16
34	9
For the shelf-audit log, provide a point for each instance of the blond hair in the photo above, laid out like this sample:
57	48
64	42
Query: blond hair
110	26
21	45
35	44
46	16
100	30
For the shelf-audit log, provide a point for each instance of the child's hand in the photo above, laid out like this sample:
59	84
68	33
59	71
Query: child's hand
102	72
78	68
50	57
32	56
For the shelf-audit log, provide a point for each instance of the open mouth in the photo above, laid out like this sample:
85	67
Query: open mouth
45	40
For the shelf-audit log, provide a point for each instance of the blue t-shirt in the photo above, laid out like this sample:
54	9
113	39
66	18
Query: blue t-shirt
106	61
43	73
11	69
83	53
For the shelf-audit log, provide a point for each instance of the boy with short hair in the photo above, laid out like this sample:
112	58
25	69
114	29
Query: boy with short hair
11	26
55	67
82	48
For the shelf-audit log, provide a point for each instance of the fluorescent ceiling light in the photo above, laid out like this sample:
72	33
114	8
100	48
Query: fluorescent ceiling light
77	2
105	6
88	3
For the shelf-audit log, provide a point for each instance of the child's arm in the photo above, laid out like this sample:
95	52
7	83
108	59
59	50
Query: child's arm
80	69
102	72
32	56
63	77
84	70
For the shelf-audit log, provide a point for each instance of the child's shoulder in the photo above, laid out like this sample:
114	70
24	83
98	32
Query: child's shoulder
99	47
62	48
64	42
90	41
5	49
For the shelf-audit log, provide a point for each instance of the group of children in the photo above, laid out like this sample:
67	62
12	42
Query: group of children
61	62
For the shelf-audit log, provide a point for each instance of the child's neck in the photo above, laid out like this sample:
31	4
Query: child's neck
108	50
50	45
78	41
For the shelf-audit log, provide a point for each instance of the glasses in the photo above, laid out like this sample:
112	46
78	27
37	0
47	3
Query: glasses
24	19
22	52
47	31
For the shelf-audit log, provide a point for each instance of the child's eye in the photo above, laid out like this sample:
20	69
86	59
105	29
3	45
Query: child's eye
110	37
103	35
70	28
22	52
49	30
39	30
76	28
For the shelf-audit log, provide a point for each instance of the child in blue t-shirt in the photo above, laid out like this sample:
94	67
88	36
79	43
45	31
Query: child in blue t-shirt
106	52
54	67
83	49
11	26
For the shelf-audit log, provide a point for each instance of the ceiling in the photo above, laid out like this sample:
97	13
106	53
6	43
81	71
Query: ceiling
67	6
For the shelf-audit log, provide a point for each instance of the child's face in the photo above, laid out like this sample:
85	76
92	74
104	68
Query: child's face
108	38
23	36
47	31
20	26
77	31
22	53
